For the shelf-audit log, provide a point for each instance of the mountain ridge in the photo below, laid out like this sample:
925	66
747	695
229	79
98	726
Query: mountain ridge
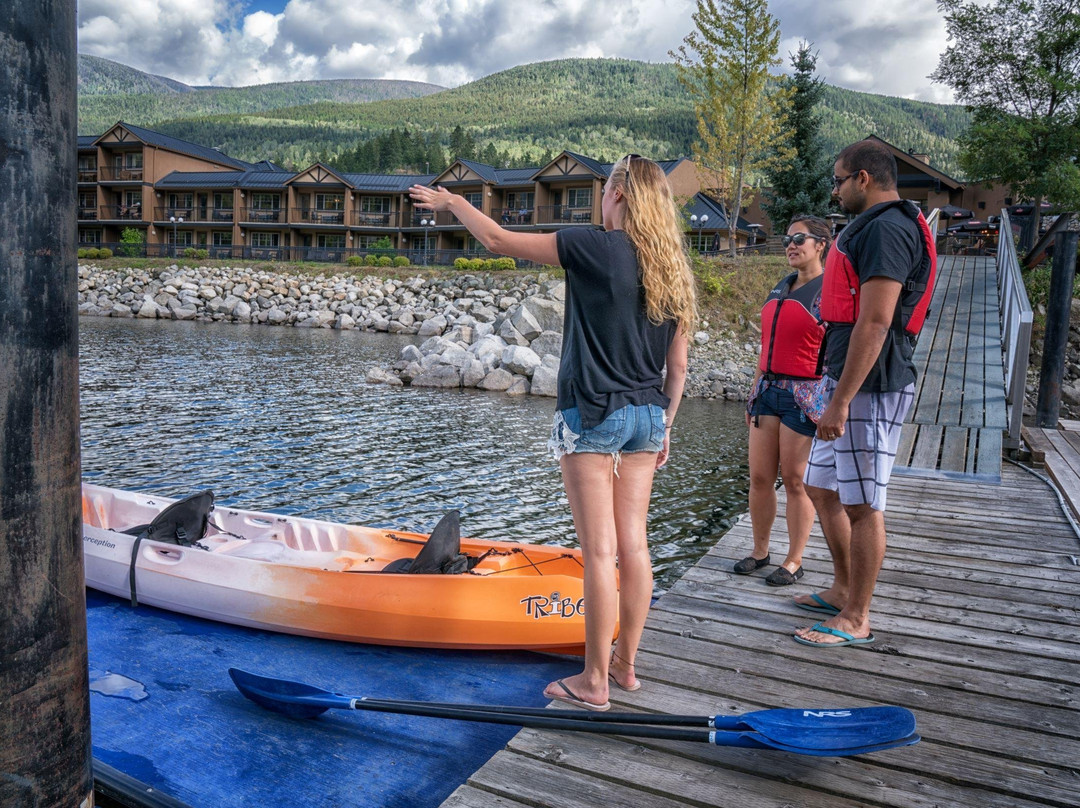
599	107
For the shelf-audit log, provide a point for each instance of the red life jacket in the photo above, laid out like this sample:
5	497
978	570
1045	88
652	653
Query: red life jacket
790	335
840	290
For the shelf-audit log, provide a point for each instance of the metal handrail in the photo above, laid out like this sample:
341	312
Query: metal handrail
1016	317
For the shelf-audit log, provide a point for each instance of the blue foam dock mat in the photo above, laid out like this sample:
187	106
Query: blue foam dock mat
164	711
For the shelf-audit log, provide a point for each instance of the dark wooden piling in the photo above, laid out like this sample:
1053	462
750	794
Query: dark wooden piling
1056	335
45	718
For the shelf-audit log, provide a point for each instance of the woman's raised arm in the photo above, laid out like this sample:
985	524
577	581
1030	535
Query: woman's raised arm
540	248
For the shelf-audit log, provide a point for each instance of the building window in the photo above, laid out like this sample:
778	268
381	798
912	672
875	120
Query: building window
420	243
375	204
264	239
474	198
182	238
133	160
330	241
89	236
474	246
579	197
222	238
329	202
522	200
132	198
223	201
88	163
265	202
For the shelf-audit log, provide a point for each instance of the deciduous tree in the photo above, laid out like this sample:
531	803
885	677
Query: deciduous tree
1016	64
726	65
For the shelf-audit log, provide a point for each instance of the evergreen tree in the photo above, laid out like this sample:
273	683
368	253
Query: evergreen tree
490	155
726	66
801	185
462	145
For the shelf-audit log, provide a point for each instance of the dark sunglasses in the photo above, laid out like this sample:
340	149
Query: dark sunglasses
799	239
838	181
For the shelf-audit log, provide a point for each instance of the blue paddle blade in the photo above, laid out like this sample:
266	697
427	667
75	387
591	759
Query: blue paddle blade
294	699
751	740
825	729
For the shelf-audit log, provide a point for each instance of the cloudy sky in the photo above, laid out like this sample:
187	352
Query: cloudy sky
877	46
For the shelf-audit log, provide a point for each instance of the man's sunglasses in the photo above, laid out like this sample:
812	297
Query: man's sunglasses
799	239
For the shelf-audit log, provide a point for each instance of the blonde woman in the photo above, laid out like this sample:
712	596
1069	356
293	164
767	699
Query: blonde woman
630	306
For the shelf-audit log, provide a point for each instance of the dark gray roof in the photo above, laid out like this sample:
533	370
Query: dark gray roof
184	147
666	165
704	205
387	182
593	165
225	179
266	165
514	176
87	141
486	172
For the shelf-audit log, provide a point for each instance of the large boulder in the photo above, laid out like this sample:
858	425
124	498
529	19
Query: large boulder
520	360
432	326
525	323
549	342
545	381
548	314
439	375
499	379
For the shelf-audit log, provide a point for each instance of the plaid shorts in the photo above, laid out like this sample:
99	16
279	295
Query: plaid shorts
858	464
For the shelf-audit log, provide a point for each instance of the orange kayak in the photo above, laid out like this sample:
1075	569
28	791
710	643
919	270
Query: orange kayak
322	579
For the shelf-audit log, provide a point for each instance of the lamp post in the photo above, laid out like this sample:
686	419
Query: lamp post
699	222
175	221
427	224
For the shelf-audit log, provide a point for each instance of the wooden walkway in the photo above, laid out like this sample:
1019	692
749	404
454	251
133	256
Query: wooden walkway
954	427
976	615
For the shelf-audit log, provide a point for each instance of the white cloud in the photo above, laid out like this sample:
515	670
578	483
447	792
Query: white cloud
870	45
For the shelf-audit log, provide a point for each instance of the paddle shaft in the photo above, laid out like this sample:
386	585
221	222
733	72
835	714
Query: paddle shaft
654	719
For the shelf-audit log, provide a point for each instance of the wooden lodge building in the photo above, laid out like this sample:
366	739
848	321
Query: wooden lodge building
179	195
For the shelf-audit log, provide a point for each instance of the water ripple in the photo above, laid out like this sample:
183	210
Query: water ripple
281	420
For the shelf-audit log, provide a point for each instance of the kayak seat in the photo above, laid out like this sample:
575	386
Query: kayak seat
441	553
183	523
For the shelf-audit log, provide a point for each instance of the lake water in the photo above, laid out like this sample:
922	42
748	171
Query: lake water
281	420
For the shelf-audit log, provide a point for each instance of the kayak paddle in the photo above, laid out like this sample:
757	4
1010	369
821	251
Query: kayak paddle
811	732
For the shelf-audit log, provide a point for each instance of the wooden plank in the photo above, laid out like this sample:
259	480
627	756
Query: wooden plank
988	460
954	449
1036	442
927	447
907	444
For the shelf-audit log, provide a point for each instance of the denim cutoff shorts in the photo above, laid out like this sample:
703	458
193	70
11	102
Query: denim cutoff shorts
780	403
628	429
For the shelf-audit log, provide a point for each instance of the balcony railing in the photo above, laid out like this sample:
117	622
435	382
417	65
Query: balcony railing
120	173
366	219
563	214
443	218
513	216
262	215
132	212
88	175
88	214
198	213
316	216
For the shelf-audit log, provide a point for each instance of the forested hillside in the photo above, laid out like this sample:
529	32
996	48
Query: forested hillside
600	107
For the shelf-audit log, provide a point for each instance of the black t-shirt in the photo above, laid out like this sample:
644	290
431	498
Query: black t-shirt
612	355
889	246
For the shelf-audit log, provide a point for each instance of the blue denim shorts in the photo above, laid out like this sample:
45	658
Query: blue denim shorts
628	429
780	403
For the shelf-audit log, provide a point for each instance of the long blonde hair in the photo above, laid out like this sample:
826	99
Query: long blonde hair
653	224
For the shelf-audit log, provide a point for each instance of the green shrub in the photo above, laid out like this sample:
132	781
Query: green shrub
81	252
190	252
371	260
202	253
93	252
104	252
355	261
476	264
505	263
132	241
461	263
386	261
401	261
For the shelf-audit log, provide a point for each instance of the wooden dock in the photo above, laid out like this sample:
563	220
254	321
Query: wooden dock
976	616
954	427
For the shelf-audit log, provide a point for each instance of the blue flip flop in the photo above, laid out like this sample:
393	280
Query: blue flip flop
823	606
845	638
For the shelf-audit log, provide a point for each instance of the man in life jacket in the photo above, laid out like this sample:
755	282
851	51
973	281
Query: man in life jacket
876	289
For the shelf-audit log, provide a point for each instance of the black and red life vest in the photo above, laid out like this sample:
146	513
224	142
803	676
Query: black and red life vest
840	290
790	334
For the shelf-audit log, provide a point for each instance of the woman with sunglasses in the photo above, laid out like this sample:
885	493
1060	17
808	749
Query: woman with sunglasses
630	306
781	412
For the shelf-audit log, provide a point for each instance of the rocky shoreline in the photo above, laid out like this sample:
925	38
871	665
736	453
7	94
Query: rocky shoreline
491	332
